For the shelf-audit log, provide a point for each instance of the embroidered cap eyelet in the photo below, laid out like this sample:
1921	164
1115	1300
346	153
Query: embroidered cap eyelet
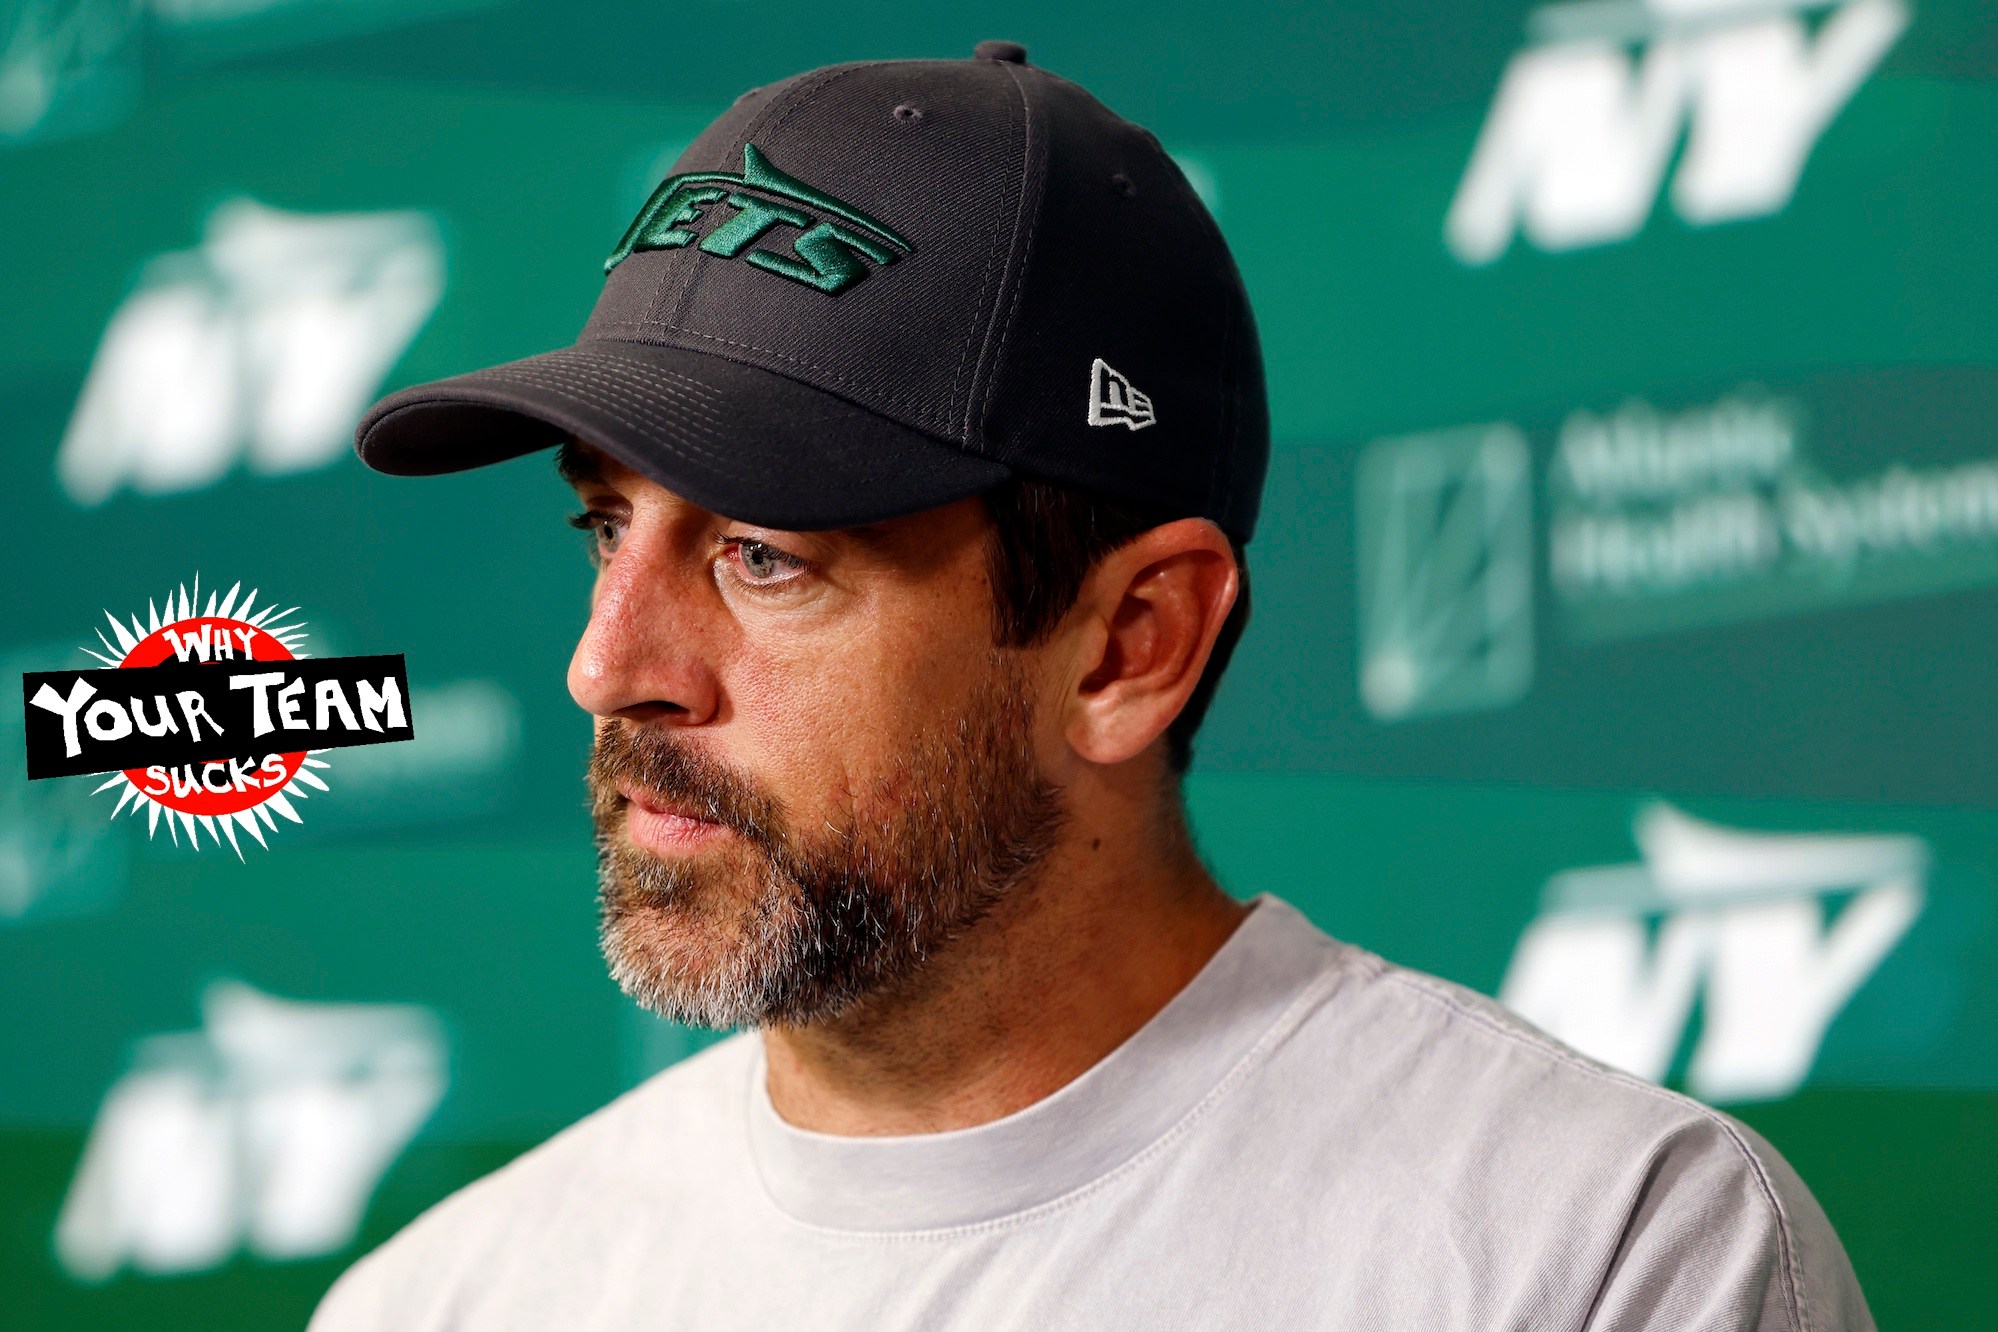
1124	185
907	114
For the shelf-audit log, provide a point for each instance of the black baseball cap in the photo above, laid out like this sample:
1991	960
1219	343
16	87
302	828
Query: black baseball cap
875	288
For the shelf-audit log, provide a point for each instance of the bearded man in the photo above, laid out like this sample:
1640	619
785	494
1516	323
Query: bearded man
918	433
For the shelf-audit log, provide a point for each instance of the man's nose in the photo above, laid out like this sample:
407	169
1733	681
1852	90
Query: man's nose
642	657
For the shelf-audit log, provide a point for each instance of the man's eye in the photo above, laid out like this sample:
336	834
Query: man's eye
761	563
605	531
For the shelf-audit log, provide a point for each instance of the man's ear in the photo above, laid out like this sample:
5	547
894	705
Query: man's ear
1144	625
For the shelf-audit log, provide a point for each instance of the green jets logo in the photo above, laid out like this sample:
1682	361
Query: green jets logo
836	237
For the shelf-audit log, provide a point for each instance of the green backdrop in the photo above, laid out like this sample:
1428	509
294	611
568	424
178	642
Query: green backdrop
1624	597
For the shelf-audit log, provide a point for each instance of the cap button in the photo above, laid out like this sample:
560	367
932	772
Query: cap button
1011	52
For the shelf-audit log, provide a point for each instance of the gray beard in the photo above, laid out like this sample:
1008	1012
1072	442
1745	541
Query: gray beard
781	929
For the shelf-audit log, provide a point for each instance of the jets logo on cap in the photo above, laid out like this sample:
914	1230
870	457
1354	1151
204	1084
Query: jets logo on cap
828	255
1112	400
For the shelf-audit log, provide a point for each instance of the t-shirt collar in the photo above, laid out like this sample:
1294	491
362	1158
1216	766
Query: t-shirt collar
1127	1101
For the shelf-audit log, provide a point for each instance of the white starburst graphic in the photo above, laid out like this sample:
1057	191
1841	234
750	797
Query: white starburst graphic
226	627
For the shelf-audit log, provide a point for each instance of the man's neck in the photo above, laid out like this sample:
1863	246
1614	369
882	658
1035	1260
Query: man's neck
1059	975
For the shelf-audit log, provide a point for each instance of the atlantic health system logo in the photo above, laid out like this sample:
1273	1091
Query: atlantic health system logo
209	715
1445	525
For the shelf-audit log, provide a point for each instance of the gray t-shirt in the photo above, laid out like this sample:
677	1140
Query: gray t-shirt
1306	1136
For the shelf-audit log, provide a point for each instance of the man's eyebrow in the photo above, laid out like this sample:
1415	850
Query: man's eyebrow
578	466
868	534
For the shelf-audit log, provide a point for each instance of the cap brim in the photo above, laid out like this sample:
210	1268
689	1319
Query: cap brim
733	438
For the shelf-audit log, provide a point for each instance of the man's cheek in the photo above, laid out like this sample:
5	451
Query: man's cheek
808	699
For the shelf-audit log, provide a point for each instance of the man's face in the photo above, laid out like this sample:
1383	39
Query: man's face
813	768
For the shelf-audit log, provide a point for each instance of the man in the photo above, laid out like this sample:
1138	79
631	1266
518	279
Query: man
917	434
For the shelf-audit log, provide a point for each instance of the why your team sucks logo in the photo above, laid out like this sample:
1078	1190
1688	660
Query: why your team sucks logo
830	252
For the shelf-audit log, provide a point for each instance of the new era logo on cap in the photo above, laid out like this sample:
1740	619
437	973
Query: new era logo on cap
1112	400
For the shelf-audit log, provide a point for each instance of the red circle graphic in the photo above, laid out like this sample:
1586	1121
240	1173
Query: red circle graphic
244	783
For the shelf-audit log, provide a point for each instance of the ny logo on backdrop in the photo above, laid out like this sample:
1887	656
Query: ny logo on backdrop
1583	128
267	1130
1772	933
264	345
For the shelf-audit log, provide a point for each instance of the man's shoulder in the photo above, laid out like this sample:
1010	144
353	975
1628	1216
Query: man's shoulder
1429	1027
582	1168
1506	1123
1461	1066
1405	1033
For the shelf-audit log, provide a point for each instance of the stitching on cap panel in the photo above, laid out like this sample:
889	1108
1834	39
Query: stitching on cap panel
1026	252
696	389
619	398
700	387
624	394
797	101
647	381
679	450
593	376
894	400
672	380
643	383
628	423
643	375
818	418
675	294
624	400
992	268
792	102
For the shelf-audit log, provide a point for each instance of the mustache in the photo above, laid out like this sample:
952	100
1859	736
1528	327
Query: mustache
659	762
